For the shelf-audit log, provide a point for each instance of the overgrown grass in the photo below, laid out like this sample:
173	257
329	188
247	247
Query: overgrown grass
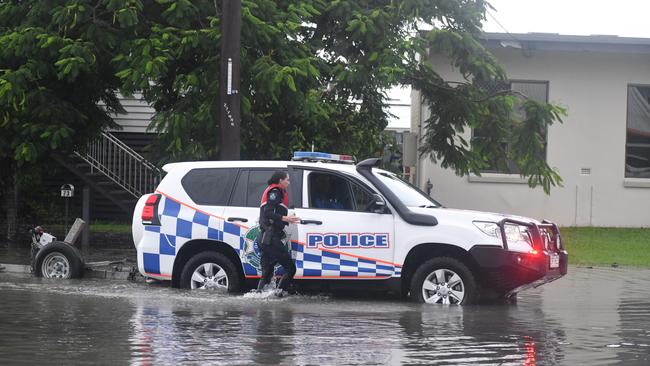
103	227
594	246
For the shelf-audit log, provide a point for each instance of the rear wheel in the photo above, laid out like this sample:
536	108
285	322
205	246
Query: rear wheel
210	271
58	260
443	280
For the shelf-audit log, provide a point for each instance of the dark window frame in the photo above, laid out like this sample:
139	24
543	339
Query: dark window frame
349	179
627	137
248	182
296	175
295	189
241	181
348	189
512	167
191	192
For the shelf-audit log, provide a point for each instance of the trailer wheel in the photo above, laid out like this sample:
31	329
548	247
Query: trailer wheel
58	260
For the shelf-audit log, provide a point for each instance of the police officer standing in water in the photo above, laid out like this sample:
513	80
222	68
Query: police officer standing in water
274	216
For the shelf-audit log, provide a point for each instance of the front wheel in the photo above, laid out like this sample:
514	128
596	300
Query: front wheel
210	270
443	280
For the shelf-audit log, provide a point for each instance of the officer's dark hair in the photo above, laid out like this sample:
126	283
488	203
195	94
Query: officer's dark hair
277	177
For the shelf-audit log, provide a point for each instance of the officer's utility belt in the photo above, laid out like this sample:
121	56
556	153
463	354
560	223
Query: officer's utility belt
267	233
265	237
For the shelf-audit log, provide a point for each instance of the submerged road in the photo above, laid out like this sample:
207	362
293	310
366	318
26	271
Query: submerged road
591	317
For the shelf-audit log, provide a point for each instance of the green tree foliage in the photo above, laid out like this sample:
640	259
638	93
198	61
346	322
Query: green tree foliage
307	77
55	70
55	67
313	73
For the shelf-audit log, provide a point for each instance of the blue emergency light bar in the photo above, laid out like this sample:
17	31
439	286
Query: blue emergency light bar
321	156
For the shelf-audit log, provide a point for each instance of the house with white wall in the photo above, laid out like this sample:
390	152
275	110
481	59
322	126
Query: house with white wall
601	150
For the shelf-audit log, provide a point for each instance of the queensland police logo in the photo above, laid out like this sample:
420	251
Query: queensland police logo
252	253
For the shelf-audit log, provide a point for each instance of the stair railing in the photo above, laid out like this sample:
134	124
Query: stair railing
120	163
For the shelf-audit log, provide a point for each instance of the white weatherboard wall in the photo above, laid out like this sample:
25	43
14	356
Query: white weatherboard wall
138	114
593	87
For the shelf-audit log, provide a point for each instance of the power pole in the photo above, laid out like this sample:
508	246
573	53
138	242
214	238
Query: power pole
229	96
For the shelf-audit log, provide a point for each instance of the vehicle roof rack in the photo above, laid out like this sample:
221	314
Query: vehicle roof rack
314	156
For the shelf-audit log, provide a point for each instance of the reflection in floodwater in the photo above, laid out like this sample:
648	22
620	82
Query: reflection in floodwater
604	315
486	334
634	326
598	316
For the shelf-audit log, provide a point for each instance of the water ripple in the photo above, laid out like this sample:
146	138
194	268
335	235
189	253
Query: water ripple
592	316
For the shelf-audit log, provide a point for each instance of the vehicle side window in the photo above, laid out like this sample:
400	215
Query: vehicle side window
210	186
328	191
238	198
362	198
257	183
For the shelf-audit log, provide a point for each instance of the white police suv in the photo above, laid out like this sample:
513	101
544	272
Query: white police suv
360	226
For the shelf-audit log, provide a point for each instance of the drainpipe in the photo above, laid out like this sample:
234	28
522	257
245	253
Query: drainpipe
418	170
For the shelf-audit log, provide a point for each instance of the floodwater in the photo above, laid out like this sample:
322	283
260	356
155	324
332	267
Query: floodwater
591	317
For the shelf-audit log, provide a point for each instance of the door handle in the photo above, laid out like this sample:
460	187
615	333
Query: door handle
242	219
314	222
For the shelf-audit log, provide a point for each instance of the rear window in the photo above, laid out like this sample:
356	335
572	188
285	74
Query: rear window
210	186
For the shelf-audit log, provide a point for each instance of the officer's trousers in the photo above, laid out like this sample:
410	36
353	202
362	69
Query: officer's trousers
276	253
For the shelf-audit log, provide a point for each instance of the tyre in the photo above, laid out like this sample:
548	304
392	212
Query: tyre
210	270
58	260
443	280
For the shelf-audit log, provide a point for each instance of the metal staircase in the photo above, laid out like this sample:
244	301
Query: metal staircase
117	161
115	171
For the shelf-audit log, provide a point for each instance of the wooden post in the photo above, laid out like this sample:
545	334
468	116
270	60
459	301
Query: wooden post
85	215
229	96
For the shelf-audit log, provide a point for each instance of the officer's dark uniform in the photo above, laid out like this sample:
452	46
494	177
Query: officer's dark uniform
272	208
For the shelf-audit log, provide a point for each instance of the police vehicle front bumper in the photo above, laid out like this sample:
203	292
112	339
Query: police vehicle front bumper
508	272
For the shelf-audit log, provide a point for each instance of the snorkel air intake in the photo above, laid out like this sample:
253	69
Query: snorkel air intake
365	169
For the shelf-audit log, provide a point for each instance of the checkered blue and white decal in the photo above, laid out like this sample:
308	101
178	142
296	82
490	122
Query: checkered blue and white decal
325	263
180	223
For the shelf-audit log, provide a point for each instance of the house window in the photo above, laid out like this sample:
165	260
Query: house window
637	147
534	90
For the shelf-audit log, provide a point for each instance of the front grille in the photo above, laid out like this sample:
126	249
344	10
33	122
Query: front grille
550	236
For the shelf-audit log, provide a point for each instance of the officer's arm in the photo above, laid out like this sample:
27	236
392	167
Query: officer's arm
273	199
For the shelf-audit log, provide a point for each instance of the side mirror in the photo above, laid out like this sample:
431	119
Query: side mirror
378	204
378	200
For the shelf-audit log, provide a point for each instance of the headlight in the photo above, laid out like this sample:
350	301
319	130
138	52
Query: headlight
515	234
489	228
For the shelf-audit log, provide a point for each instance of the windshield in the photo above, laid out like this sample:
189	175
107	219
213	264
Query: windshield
410	195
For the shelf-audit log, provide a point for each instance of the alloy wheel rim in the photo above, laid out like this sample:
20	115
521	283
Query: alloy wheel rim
209	276
55	265
443	286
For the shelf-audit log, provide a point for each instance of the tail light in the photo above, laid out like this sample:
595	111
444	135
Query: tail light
150	209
